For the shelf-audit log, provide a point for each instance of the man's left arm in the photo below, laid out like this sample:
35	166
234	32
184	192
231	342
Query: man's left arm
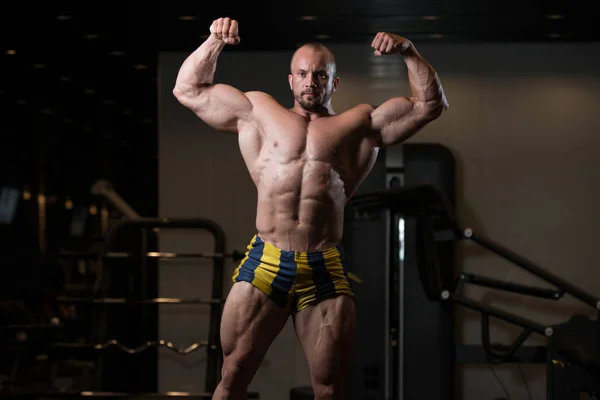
399	118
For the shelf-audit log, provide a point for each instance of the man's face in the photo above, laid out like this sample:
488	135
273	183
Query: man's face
312	78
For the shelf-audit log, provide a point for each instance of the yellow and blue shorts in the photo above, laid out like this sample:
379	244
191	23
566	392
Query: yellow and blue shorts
292	279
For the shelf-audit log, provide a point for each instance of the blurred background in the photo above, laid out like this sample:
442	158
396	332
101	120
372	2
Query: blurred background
104	175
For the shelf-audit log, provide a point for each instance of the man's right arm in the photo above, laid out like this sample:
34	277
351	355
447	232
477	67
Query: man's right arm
221	106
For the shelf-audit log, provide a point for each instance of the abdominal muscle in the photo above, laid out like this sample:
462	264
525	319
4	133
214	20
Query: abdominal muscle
300	204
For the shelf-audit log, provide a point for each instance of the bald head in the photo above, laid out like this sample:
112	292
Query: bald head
315	50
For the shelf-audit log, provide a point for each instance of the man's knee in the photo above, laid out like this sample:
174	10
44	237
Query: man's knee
328	384
327	391
239	367
233	374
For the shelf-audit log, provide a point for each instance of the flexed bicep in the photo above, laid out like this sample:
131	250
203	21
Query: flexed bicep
220	106
401	117
398	119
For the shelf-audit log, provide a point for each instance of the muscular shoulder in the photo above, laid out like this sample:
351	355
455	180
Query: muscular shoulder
364	114
359	114
363	110
257	97
263	104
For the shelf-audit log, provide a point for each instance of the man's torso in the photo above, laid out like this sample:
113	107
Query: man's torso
305	171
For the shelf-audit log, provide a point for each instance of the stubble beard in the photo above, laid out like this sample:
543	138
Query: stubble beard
311	105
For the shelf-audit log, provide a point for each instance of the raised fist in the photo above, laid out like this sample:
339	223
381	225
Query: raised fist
388	43
225	29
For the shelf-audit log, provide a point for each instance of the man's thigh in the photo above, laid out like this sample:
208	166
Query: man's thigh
250	322
326	331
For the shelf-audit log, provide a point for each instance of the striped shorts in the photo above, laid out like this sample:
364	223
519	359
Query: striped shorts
292	279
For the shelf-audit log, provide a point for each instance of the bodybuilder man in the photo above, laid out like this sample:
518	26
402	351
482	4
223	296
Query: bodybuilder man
306	162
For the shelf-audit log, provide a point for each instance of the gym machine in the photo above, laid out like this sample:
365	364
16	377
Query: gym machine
572	355
124	368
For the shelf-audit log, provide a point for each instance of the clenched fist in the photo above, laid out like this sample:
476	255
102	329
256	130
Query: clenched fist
225	29
388	43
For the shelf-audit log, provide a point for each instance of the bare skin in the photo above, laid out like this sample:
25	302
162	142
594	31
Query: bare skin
306	163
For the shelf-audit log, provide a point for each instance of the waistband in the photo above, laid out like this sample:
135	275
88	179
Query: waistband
267	248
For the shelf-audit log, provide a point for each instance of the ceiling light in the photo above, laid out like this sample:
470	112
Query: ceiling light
308	18
554	35
64	79
436	36
431	17
89	91
38	66
11	52
187	18
63	17
322	36
140	66
92	36
110	102
116	53
554	16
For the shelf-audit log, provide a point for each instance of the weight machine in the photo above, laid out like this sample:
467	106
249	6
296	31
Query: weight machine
572	353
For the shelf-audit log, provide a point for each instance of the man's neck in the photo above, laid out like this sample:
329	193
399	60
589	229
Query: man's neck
322	111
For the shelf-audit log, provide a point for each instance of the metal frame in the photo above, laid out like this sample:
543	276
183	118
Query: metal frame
563	286
105	189
214	354
394	379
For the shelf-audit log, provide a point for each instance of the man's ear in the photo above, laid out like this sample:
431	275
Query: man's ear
336	83
290	81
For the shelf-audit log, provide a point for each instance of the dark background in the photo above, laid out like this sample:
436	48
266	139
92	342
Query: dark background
79	90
